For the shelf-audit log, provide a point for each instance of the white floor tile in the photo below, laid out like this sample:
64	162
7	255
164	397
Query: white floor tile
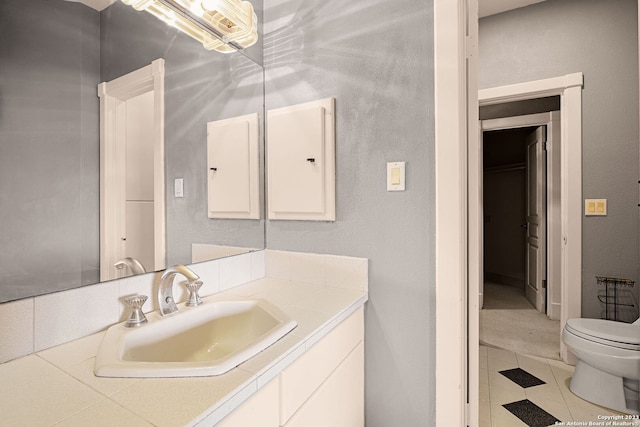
555	397
500	417
549	391
504	395
536	367
484	375
555	408
484	413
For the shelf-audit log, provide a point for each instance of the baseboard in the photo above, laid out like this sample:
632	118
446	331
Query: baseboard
553	311
504	280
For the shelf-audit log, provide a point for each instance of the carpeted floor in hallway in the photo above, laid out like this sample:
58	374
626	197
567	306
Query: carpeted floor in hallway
509	321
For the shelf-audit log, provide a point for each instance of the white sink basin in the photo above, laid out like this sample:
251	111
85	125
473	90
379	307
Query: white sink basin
198	341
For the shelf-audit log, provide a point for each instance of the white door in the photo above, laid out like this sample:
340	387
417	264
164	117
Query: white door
138	235
132	199
536	261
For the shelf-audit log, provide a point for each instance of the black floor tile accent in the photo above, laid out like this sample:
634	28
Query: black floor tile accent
531	414
521	377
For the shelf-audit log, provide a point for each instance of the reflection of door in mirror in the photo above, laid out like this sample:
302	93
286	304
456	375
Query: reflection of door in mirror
132	221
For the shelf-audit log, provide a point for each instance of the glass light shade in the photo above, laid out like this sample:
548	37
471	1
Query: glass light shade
234	20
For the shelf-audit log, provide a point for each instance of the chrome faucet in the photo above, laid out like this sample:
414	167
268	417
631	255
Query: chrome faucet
165	292
134	265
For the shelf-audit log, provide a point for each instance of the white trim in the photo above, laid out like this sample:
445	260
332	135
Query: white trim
529	90
515	121
569	88
112	198
451	127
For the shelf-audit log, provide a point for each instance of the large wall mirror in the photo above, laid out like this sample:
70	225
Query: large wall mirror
53	56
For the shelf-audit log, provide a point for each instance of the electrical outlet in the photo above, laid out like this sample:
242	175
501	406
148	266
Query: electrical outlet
595	207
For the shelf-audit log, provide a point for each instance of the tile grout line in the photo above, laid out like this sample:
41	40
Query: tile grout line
564	400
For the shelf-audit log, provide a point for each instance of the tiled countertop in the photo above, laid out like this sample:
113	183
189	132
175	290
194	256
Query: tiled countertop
57	386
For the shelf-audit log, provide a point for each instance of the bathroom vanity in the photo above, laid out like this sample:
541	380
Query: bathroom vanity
313	376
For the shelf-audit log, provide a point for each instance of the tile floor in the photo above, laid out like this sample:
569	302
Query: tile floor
553	397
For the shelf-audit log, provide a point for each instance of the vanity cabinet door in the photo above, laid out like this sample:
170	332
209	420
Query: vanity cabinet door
261	410
301	382
322	388
339	401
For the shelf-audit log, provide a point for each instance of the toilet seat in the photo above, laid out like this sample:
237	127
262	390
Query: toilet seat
606	332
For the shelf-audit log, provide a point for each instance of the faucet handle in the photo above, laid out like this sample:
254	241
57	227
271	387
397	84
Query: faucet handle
137	317
194	299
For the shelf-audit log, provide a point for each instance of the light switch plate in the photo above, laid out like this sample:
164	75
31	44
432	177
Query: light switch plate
178	188
595	207
396	176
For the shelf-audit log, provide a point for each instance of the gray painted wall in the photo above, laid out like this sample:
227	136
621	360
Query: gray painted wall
49	69
382	78
598	38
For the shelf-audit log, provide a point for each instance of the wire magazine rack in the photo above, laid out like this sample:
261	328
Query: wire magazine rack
617	298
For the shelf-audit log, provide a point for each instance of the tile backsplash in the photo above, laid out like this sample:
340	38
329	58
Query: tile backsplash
325	270
34	324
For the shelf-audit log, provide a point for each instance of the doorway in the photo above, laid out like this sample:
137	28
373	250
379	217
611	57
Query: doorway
567	204
521	255
132	199
524	149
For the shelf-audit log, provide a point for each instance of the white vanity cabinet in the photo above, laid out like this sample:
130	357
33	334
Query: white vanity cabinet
323	387
307	392
301	161
261	410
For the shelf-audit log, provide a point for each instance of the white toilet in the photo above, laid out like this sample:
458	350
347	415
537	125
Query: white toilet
608	368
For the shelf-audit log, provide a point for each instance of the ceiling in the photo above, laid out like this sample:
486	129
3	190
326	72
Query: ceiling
492	7
485	7
96	4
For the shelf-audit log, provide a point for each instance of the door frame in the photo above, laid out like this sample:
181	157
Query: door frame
569	88
453	33
553	217
455	108
112	167
457	276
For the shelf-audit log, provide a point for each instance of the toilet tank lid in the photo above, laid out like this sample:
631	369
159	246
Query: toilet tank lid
607	329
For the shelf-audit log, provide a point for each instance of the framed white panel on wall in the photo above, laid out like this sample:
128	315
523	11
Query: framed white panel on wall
301	161
233	168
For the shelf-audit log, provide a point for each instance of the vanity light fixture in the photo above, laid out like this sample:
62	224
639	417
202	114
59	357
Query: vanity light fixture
221	25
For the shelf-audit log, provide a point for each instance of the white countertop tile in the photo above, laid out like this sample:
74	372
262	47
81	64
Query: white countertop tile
58	384
42	394
83	371
73	352
176	401
105	413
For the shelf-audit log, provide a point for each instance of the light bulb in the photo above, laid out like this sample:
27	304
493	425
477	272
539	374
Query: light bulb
209	5
197	9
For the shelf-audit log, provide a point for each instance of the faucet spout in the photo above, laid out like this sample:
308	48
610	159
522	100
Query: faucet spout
134	265
165	291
